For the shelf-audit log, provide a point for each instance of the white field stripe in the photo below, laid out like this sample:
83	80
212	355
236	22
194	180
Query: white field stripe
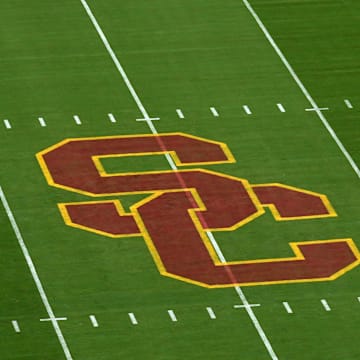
112	118
348	104
16	326
247	109
211	313
287	307
136	98
281	107
93	320
7	124
42	121
214	112
358	298
115	59
35	276
57	319
77	119
172	315
303	88
180	114
325	305
133	318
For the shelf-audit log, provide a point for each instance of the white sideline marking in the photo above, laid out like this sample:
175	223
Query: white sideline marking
133	318
172	315
180	114
302	87
325	305
348	104
214	112
35	276
281	107
16	326
287	307
42	121
247	109
93	320
145	114
77	119
211	313
112	118
7	124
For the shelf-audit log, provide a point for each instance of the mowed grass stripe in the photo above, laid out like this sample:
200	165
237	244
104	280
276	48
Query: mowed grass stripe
35	276
306	93
148	120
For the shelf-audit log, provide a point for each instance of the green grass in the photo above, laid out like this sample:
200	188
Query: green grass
189	54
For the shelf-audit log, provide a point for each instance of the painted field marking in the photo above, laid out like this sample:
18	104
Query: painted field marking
16	326
180	114
247	110
211	313
133	318
281	107
57	319
77	119
214	112
287	307
93	320
317	109
245	306
358	298
42	121
148	120
302	87
112	118
35	276
348	104
7	124
325	305
172	315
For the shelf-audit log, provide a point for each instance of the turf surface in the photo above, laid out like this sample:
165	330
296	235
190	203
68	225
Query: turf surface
189	55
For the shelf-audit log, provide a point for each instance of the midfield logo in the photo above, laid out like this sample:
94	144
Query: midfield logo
183	207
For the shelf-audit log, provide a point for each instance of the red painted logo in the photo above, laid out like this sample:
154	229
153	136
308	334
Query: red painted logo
182	206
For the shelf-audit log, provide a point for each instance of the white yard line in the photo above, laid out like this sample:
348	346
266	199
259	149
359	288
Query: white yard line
115	59
348	104
211	313
148	120
42	121
288	308
214	111
133	318
7	124
35	276
247	110
281	107
325	305
112	118
16	326
302	87
94	321
180	114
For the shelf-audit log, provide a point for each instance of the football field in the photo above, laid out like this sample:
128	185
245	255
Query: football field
180	180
